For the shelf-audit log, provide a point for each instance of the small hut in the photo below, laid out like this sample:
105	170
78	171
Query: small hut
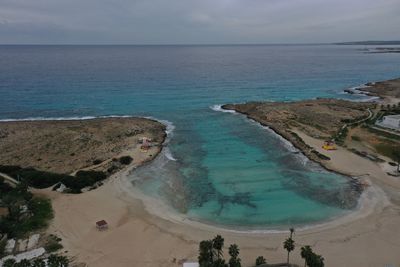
146	143
101	225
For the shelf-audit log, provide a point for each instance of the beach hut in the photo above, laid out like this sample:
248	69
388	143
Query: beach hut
145	144
101	225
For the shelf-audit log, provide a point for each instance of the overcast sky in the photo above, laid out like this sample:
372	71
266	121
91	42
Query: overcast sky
197	21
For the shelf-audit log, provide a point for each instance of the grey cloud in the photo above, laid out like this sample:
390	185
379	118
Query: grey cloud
195	21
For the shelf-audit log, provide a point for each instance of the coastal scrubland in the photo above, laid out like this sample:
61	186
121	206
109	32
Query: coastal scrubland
66	146
40	156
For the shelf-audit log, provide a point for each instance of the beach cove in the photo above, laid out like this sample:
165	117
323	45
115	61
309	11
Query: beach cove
209	152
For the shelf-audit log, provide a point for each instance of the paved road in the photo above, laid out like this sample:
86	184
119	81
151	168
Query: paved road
385	130
8	178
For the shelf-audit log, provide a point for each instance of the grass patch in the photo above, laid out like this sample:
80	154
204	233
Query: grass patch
384	134
388	149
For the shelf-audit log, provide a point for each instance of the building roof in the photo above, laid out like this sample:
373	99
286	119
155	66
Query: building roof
190	264
397	117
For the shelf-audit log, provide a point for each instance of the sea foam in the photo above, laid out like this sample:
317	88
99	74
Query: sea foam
220	109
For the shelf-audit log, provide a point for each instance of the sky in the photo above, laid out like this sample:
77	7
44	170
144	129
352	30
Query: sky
197	21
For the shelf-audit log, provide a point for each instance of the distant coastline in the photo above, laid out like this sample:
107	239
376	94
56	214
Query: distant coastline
369	43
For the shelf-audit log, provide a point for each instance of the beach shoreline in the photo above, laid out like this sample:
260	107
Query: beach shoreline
146	232
133	213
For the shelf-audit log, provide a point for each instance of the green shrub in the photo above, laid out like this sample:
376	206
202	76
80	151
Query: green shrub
52	246
97	161
260	260
126	160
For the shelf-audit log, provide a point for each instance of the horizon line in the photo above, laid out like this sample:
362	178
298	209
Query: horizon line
366	42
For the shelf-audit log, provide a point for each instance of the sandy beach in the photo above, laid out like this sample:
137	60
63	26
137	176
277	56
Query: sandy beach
138	236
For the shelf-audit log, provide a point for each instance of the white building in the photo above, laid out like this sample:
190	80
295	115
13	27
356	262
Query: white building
390	121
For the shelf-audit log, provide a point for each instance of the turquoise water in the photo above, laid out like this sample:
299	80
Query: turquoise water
218	167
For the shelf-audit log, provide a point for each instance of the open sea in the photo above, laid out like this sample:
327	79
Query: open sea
218	167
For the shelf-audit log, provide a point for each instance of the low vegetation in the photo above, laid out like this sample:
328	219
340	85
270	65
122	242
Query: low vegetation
125	160
44	179
52	261
26	213
53	244
211	254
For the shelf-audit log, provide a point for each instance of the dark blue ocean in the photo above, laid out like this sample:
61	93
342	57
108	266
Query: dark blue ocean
218	167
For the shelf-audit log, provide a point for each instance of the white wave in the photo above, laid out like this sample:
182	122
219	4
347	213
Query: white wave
66	118
356	89
220	109
169	131
169	125
369	99
168	154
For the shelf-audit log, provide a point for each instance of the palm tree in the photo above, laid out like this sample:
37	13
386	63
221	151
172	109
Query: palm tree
234	261
316	260
219	263
289	246
218	244
291	229
306	253
205	253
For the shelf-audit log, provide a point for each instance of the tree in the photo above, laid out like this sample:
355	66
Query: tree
306	254
234	261
57	261
205	253
9	263
311	259
23	263
38	263
260	260
218	244
316	260
291	232
289	246
219	263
